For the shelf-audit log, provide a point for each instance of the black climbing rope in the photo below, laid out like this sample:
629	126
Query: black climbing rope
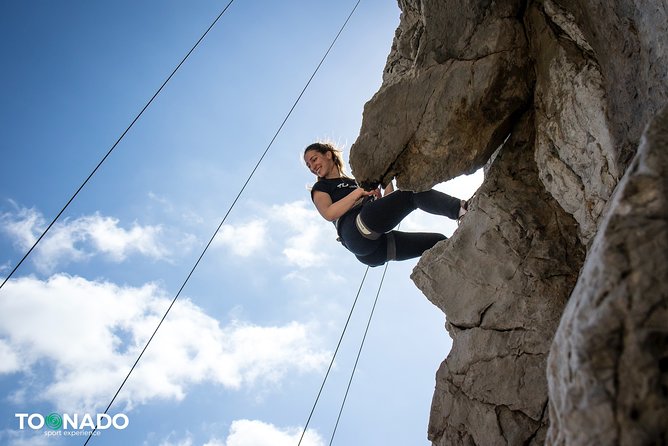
359	352
331	363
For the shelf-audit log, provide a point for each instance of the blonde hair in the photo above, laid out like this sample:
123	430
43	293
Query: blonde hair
337	155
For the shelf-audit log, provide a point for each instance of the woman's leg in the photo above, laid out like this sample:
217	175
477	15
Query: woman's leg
406	245
385	213
409	245
439	203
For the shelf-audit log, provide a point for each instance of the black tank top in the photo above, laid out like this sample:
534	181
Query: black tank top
336	188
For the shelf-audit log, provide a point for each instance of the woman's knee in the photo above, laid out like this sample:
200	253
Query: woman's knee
376	258
371	260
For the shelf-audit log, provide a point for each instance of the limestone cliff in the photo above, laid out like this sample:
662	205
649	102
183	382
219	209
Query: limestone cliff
555	285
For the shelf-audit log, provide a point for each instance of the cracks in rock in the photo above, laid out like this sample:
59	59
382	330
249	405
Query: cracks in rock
556	151
528	441
483	312
407	41
455	388
563	25
485	56
465	327
499	425
478	324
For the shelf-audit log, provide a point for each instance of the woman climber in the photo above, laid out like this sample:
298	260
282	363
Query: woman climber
364	219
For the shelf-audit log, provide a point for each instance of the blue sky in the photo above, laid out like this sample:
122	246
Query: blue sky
241	356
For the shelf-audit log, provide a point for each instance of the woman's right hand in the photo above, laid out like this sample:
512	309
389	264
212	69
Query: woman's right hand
364	193
375	192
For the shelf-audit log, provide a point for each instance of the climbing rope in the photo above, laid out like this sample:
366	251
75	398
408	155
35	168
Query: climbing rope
359	352
104	158
331	363
229	210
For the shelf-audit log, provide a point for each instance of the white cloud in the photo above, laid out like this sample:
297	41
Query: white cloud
258	433
80	238
307	233
252	433
91	332
292	233
21	226
9	361
243	240
109	238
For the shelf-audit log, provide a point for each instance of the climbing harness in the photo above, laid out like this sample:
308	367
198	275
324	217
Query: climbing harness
364	230
358	204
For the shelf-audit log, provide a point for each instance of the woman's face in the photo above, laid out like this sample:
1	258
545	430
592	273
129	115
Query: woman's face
321	164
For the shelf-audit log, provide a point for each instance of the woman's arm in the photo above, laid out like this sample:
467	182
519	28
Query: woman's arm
331	211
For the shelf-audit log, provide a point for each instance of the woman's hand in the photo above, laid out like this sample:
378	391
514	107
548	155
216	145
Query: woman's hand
377	193
366	193
331	211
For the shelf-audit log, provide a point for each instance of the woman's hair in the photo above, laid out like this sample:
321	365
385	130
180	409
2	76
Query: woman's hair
337	155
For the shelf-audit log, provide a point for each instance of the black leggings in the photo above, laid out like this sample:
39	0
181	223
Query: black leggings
385	213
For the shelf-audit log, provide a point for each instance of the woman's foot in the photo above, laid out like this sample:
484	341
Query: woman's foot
463	209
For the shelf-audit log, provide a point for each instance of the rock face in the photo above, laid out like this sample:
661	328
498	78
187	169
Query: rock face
502	280
445	71
574	147
608	365
560	92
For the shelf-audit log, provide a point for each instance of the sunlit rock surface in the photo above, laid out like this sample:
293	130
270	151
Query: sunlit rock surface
446	71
